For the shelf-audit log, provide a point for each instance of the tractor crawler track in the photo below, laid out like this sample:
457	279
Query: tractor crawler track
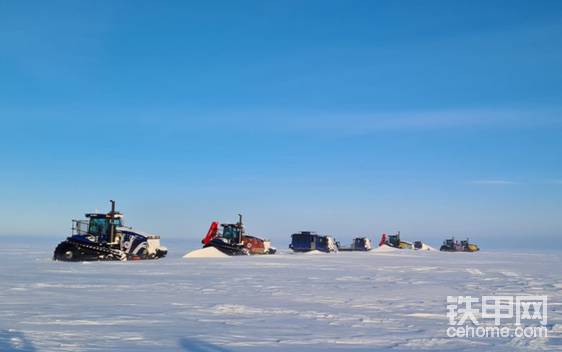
107	253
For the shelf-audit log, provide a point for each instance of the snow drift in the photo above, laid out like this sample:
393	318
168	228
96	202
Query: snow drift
208	252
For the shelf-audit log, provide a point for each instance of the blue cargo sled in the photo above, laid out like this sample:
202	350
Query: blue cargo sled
307	241
359	244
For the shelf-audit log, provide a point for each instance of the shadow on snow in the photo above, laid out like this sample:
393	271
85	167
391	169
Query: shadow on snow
194	345
15	341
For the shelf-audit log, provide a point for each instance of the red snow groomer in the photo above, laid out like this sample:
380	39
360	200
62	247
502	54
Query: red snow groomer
233	240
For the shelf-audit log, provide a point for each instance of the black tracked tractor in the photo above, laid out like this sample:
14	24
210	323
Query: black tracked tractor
105	237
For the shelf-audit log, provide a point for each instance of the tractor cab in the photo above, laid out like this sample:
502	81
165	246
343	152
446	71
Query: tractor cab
233	232
394	240
99	225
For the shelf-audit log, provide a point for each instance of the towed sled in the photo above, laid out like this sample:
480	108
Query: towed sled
359	244
307	241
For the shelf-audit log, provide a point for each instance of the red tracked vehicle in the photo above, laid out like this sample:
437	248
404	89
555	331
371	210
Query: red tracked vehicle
232	239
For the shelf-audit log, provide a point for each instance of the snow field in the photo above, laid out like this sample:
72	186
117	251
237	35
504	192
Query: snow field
387	299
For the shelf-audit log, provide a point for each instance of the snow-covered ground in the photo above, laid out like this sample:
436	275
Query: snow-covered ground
382	300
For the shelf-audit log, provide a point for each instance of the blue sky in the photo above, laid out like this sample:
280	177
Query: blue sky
345	117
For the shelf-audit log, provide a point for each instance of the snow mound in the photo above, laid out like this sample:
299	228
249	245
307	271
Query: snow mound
384	248
208	252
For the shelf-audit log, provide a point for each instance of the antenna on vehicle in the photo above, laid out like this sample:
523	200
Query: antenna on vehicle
111	223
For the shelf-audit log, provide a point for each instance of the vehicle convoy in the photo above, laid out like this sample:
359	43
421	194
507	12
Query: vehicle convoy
358	244
451	245
232	239
395	241
306	241
105	237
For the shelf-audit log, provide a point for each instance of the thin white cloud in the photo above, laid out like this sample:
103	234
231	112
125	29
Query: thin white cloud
281	120
441	119
494	182
358	123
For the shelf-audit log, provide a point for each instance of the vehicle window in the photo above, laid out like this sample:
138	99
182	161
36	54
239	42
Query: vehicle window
99	227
